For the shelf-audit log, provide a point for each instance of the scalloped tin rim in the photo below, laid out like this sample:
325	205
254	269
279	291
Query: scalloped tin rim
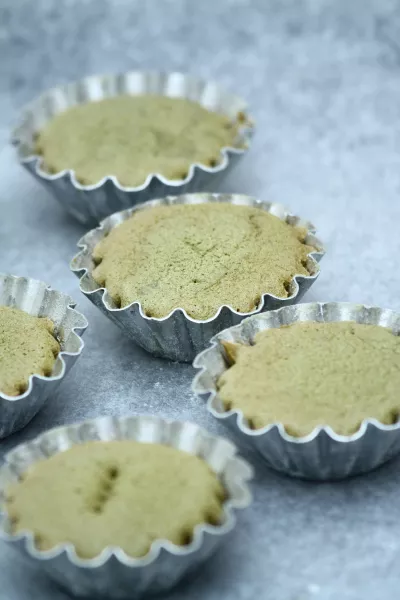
159	545
156	547
247	130
38	160
197	388
79	326
83	271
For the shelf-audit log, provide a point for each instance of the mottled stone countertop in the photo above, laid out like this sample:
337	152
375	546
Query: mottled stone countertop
323	81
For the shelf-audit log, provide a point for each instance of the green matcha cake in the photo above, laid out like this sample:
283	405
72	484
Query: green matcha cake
131	137
124	494
310	374
27	347
200	257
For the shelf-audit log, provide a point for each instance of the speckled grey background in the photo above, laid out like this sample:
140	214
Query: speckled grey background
323	80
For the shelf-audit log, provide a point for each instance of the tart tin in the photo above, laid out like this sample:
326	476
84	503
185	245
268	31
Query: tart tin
112	573
323	454
36	298
91	203
178	336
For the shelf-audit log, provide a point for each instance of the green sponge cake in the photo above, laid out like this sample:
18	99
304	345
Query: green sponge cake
27	347
200	257
131	137
311	374
120	493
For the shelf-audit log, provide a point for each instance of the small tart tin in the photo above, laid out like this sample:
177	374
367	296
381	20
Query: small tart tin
323	454
90	204
38	299
113	574
178	336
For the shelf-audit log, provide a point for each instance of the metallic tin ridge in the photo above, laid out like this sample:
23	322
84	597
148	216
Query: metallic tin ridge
113	572
94	202
322	454
36	298
178	336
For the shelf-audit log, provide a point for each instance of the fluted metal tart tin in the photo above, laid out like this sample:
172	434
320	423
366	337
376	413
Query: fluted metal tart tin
323	454
177	336
92	203
113	574
38	299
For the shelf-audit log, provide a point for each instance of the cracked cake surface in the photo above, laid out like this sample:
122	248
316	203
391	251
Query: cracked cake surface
311	374
120	493
200	257
131	137
27	347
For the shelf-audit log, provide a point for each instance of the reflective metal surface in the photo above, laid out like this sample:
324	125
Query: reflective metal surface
323	454
178	336
113	574
92	203
38	299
